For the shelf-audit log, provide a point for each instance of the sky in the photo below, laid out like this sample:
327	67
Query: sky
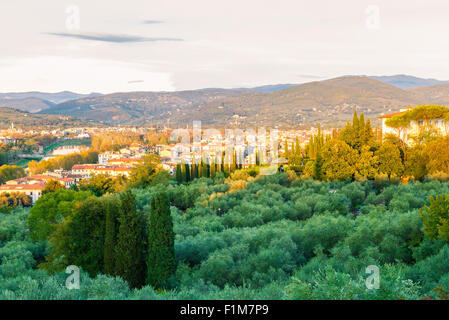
146	45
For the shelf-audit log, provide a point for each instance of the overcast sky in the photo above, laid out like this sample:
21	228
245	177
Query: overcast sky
109	46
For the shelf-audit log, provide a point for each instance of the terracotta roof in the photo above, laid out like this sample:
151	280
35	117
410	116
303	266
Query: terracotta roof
391	114
113	169
84	166
19	187
396	113
126	160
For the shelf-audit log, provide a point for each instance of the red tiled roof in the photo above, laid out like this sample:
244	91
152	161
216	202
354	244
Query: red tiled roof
19	187
126	160
84	166
113	169
391	114
396	113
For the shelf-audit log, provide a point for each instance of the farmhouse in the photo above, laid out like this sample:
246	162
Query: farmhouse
410	123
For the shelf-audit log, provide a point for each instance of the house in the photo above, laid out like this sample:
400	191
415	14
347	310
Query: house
41	179
125	161
87	170
34	191
414	120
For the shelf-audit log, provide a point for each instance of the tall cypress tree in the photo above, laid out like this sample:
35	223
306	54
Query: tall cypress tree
131	242
204	170
183	173
111	206
212	170
161	252
179	173
317	167
187	168
286	154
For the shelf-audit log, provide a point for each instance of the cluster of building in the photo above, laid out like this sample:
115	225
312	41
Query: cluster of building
246	146
33	186
112	164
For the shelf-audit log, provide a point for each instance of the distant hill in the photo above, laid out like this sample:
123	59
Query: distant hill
27	104
140	107
438	94
32	120
330	102
405	81
272	88
58	97
38	101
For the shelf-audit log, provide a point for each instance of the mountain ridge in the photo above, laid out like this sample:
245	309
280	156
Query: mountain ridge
329	102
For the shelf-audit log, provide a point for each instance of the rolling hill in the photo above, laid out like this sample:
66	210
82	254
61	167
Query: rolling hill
438	94
330	103
36	121
140	107
406	82
58	97
38	101
27	104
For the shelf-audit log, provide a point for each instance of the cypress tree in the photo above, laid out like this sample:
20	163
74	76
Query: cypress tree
212	170
183	173
111	206
286	154
131	243
204	170
297	146
161	262
194	176
317	167
187	170
179	173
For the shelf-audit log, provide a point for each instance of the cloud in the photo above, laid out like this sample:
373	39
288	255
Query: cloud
152	21
113	38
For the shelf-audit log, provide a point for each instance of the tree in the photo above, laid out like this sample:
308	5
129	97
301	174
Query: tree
437	153
436	218
417	159
161	253
367	163
10	173
52	208
85	234
111	229
390	161
338	161
52	186
142	174
179	173
131	243
318	166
